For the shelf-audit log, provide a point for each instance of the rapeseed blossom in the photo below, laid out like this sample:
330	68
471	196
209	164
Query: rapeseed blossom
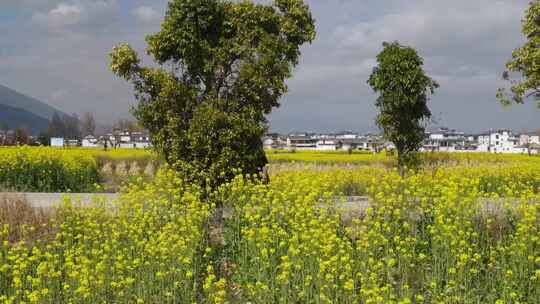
463	232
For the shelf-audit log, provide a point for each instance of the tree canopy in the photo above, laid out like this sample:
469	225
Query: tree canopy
220	67
404	90
525	62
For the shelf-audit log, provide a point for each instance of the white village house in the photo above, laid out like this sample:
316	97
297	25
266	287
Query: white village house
128	140
499	141
135	140
530	141
301	142
442	140
346	141
89	141
274	141
115	139
529	138
328	144
57	141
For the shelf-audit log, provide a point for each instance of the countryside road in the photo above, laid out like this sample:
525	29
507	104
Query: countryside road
49	200
349	206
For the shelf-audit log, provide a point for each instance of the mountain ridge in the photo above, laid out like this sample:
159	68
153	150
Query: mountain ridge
14	99
15	118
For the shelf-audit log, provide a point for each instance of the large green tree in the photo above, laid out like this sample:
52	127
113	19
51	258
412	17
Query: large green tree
404	90
220	67
525	62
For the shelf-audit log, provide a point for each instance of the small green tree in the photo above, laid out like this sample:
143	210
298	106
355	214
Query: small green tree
525	62
220	68
404	90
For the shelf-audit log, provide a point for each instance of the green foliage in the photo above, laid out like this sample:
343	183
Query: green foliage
222	68
525	62
404	90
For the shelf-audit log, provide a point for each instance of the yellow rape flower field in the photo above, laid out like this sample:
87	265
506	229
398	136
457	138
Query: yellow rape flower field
45	169
465	229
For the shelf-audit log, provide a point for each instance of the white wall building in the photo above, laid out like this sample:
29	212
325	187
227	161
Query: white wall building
268	143
135	145
89	142
274	141
529	138
57	141
346	135
500	141
301	142
445	140
126	140
328	144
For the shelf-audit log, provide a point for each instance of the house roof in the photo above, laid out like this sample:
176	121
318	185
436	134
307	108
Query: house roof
530	134
358	140
300	137
448	139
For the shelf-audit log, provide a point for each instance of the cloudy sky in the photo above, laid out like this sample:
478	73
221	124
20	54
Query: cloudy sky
56	51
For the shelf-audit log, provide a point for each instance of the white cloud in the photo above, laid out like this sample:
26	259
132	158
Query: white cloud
456	36
465	44
61	16
146	14
432	24
77	13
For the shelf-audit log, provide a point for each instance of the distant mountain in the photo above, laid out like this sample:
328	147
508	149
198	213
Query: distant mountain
15	118
18	110
15	99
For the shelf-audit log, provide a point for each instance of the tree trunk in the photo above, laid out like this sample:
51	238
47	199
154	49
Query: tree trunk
401	161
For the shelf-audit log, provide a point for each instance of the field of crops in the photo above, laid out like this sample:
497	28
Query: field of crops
388	159
94	170
463	232
44	169
47	170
